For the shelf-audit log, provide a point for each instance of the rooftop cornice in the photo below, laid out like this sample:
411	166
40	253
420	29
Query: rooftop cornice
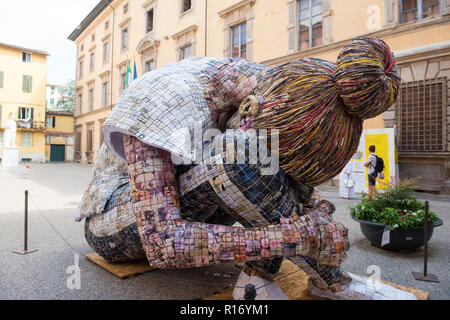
44	53
89	18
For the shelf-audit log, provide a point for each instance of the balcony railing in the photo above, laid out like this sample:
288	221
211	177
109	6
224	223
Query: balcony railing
32	125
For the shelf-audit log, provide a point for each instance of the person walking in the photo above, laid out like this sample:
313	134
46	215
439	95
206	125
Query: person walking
372	173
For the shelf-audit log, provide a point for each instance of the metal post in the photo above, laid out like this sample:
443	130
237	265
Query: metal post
425	258
425	276
25	238
25	244
250	292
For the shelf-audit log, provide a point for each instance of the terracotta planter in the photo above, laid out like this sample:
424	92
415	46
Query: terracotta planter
400	240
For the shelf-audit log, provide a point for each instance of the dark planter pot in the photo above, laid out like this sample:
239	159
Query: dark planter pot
400	240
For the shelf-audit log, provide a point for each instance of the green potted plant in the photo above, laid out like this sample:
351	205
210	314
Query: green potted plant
399	211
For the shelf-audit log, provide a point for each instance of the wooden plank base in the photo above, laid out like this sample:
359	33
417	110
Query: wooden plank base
294	283
121	270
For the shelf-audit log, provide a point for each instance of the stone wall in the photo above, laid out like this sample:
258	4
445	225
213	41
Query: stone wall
432	169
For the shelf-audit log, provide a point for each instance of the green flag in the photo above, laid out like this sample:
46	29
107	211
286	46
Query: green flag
128	75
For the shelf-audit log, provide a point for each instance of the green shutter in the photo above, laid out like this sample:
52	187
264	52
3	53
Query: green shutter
27	83
1	79
0	114
18	113
32	114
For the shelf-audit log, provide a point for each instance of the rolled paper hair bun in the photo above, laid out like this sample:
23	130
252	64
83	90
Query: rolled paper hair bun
367	77
319	107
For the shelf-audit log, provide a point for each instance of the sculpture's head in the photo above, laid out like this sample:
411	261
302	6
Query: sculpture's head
319	106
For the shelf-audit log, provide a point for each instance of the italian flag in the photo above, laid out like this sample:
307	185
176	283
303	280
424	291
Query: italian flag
128	76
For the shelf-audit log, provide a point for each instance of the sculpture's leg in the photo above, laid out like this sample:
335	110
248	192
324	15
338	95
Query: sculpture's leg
113	233
261	201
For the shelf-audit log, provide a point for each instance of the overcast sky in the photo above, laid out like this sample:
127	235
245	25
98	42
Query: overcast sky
45	25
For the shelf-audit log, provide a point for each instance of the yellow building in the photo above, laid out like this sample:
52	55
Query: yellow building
152	33
59	137
23	75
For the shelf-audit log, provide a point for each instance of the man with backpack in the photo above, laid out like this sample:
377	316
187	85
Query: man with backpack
375	166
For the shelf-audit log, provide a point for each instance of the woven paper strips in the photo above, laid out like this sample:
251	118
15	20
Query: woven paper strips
319	107
185	215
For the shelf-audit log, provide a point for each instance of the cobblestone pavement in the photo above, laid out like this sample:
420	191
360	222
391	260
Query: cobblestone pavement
56	189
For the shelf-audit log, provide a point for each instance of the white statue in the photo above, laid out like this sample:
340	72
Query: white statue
9	139
347	182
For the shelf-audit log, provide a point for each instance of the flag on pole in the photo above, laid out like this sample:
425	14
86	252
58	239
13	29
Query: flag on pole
128	75
134	73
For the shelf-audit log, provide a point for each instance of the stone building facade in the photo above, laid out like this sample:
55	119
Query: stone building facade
152	33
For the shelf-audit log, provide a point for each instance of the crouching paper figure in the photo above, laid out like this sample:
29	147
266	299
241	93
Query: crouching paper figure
173	178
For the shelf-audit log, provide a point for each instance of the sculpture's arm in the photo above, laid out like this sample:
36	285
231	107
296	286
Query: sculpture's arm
172	242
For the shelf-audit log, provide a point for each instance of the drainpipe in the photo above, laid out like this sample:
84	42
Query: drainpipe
112	54
206	28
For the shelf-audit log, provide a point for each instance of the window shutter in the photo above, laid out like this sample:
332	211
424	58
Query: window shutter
24	83
18	113
0	114
30	81
1	79
53	122
32	114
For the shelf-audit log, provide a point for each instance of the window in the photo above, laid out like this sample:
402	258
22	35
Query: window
105	93
27	83
1	79
411	10
93	37
185	52
421	116
78	141
239	41
125	8
80	69
25	114
91	99
185	5
52	90
310	23
89	137
80	103
92	62
106	25
50	122
27	139
430	8
106	52
101	137
52	101
149	65
125	38
149	25
81	47
26	57
123	77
